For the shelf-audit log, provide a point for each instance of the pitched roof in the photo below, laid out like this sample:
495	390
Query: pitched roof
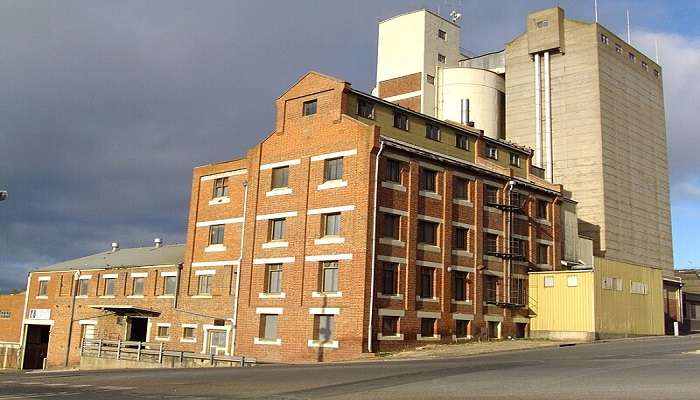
173	254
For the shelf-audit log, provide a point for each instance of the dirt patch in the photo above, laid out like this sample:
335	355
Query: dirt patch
472	348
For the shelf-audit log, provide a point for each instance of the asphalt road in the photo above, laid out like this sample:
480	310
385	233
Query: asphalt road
649	369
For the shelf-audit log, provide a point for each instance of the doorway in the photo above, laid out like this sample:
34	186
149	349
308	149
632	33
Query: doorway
217	342
520	330
36	347
137	329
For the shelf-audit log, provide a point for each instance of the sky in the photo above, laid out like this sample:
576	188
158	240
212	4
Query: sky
106	106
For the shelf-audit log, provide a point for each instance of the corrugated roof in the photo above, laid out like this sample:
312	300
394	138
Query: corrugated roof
136	257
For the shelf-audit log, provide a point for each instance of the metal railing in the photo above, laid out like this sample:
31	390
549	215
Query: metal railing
152	352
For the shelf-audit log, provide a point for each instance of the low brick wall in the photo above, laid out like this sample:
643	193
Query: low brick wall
92	363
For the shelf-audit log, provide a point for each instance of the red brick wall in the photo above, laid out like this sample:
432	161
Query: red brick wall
400	85
10	328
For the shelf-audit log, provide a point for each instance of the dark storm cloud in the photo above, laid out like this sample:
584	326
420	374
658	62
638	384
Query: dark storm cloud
105	107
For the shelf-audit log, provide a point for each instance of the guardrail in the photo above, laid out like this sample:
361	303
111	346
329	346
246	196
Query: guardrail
152	352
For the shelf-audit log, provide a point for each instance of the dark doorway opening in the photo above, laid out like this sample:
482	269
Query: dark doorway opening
520	331
137	329
493	327
37	346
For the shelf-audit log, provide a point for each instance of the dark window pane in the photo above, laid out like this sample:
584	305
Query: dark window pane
332	227
427	232
491	288
460	285
216	234
490	243
274	278
310	107
462	142
390	326
461	189
400	121
334	169
391	226
426	283
427	180
365	109
330	277
460	238
427	327
490	194
390	273
280	177
220	187
432	132
393	171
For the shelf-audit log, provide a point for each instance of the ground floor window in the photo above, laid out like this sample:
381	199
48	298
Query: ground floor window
268	326
217	341
461	328
390	325
427	327
325	328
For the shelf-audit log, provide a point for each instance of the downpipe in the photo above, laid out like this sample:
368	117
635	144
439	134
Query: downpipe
374	248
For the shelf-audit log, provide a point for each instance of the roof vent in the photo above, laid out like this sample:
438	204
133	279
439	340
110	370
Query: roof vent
115	246
158	242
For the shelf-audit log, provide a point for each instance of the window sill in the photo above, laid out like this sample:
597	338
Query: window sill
391	338
333	344
329	240
431	195
42	297
219	200
135	296
390	296
269	342
491	258
420	338
463	202
394	186
428	299
166	296
428	247
461	339
326	295
462	302
392	242
107	297
215	248
492	210
162	339
202	296
81	297
278	192
272	295
332	185
462	253
543	222
188	340
277	244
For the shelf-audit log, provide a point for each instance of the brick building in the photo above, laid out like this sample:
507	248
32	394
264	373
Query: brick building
11	306
285	262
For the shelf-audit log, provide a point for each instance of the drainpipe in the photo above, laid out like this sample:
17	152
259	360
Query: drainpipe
507	268
177	285
23	334
374	248
538	112
238	271
76	276
548	117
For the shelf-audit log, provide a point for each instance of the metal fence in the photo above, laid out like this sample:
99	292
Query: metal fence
153	352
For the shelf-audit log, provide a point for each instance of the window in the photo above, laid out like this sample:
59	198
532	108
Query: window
390	326
542	254
491	151
391	226
277	229
365	109
427	232
430	79
657	73
645	66
274	279
169	285
268	326
459	291
461	189
330	277
188	333
490	243
515	160
138	285
43	288
393	171
542	24
109	286
432	132
632	57
5	314
517	199
542	209
389	278
618	48
334	169
607	283
427	327
400	121
427	180
442	59
331	224
604	39
491	288
442	34
326	328
220	187
490	194
205	284
461	328
83	285
461	142
426	283
572	281
280	177
310	107
517	247
549	281
618	284
460	236
163	331
517	291
216	234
